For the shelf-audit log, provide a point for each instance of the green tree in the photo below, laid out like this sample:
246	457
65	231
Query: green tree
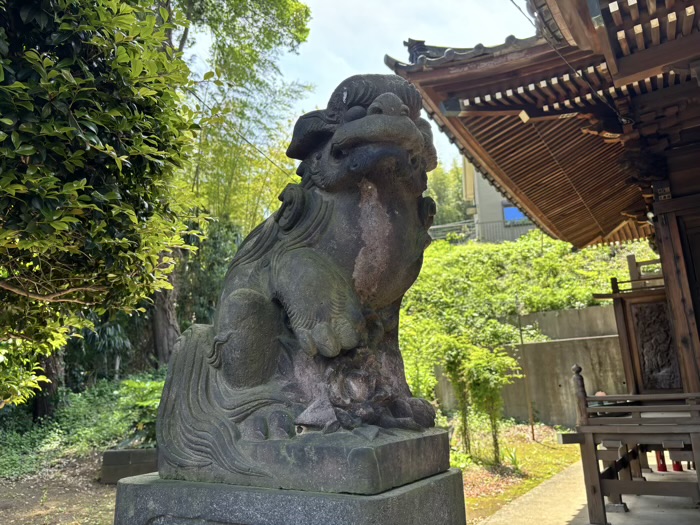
454	357
202	272
486	372
445	187
93	127
239	106
248	35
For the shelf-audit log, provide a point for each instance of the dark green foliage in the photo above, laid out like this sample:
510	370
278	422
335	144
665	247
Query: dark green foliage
92	129
100	351
106	415
201	274
139	399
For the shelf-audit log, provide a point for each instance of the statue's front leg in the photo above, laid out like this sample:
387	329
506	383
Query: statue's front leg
322	309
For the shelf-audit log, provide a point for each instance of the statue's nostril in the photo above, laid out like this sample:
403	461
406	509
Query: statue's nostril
338	153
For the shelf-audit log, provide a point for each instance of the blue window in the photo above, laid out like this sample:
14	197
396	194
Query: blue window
513	214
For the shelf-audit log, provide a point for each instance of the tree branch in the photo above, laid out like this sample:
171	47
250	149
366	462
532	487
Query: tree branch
15	335
183	39
56	297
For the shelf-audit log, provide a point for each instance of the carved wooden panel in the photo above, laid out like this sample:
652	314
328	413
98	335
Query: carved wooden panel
658	358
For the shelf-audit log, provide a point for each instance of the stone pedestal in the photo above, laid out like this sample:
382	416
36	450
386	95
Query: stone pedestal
369	460
149	500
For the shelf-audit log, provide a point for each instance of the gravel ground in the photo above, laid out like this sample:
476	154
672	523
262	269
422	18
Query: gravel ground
67	494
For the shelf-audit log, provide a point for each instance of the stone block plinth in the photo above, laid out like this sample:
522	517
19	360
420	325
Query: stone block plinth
147	499
118	464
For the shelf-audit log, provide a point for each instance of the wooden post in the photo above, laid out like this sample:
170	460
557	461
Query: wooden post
615	503
591	477
695	444
634	270
614	285
679	300
581	404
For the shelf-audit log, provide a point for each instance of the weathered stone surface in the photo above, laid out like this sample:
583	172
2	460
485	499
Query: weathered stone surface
302	364
368	460
150	500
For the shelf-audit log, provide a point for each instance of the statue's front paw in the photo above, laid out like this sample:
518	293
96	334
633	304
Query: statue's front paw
278	424
409	413
322	308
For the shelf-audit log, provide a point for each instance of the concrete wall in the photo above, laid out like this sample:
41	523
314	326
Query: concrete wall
488	201
490	223
594	321
548	374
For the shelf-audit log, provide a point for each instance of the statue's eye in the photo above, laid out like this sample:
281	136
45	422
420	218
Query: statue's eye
354	113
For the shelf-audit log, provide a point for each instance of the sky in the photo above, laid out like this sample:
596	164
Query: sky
351	37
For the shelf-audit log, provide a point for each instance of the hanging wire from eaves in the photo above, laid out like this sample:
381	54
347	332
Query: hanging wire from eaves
547	37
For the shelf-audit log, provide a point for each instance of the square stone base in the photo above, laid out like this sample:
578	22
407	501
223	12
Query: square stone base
149	500
124	463
368	460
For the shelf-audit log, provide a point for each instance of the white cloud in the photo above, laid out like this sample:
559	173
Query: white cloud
349	38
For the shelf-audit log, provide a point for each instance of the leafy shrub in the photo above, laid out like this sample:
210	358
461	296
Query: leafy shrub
465	303
139	402
486	373
106	415
89	420
92	130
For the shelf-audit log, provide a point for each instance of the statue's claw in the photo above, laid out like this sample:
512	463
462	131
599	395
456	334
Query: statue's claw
410	413
325	339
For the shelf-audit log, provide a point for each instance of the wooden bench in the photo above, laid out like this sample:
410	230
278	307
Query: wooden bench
618	431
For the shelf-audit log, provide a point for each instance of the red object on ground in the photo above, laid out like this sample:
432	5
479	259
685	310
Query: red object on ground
661	461
677	466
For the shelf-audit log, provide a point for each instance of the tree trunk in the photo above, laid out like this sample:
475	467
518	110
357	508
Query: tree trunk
494	436
44	403
164	321
464	424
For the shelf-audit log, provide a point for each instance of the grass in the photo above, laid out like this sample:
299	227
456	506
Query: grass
526	464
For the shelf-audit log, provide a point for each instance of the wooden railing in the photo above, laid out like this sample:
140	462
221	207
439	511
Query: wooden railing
619	430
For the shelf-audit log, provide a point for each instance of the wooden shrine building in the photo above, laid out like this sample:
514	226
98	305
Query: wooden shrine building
592	128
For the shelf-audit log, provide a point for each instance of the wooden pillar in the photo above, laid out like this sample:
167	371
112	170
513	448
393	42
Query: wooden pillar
591	477
677	201
685	329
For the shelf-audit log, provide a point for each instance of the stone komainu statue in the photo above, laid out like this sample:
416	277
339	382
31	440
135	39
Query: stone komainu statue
301	373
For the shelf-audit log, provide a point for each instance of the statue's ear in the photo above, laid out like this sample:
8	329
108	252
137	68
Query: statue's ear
311	130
